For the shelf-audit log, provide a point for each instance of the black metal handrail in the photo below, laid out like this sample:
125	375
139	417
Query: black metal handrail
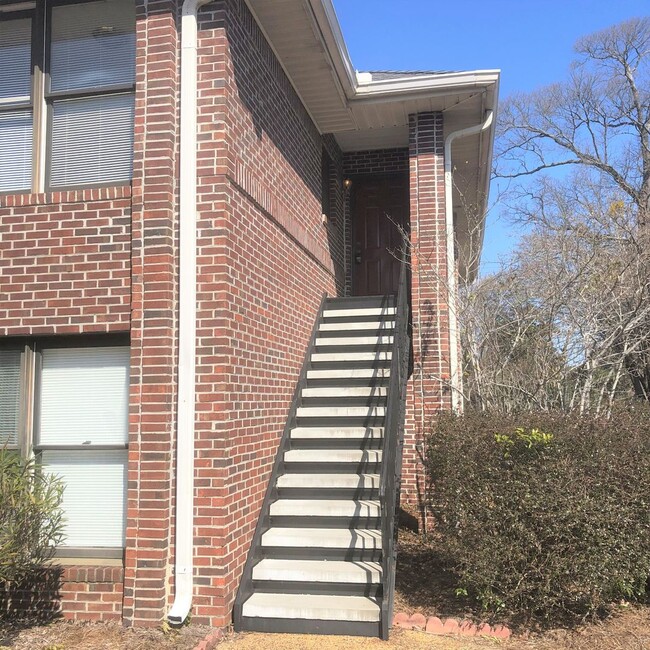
391	466
263	522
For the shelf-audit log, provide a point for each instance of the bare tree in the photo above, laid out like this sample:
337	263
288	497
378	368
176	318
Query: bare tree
555	328
597	121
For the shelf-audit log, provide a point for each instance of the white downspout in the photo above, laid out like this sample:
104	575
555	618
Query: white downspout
456	393
183	569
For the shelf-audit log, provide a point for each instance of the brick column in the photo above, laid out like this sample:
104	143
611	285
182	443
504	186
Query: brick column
148	558
428	390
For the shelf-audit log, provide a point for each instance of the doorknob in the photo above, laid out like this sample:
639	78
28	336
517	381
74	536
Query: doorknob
357	253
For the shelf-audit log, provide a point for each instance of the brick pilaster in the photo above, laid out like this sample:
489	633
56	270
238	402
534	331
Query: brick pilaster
428	388
148	555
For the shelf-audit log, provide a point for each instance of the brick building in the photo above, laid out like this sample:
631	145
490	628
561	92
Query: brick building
179	186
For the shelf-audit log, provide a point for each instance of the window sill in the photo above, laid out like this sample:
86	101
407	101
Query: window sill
94	555
79	195
87	561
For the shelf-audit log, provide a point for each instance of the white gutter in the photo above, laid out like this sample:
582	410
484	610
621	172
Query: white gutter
427	84
183	569
456	393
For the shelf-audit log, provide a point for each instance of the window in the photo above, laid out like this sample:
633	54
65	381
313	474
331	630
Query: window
68	404
67	74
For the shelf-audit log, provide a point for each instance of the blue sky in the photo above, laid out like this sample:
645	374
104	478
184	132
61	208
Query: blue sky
530	41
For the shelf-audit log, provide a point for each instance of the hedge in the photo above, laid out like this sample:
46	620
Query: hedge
543	516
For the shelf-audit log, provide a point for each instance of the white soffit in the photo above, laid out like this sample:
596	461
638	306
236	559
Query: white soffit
296	38
362	113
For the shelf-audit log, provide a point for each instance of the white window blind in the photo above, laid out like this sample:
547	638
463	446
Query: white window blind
93	45
15	150
92	140
84	396
9	396
94	495
15	60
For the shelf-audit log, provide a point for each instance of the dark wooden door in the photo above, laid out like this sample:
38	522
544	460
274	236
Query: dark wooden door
380	207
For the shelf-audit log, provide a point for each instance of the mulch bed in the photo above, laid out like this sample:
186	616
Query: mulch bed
63	635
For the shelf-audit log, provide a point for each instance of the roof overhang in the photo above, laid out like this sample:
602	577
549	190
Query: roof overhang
363	113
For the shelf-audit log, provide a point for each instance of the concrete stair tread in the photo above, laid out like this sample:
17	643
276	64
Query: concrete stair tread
313	607
339	571
336	538
342	433
326	481
359	311
346	391
357	326
321	357
354	340
333	456
325	508
349	373
340	411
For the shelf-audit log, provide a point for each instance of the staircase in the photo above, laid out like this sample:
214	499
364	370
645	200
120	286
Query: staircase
319	556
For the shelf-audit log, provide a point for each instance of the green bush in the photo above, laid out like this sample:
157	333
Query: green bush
30	517
543	516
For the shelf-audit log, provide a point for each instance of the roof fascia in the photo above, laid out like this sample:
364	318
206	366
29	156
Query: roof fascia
427	85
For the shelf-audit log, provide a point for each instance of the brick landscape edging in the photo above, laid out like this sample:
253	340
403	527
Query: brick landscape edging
434	625
210	641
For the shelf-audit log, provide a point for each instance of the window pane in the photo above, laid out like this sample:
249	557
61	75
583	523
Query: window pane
15	60
84	394
9	396
94	495
15	150
92	140
93	44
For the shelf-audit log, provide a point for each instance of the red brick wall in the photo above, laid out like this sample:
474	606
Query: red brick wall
150	500
428	388
92	592
64	262
377	161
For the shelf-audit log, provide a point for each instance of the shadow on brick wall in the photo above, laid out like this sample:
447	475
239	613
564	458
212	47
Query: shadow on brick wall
33	601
